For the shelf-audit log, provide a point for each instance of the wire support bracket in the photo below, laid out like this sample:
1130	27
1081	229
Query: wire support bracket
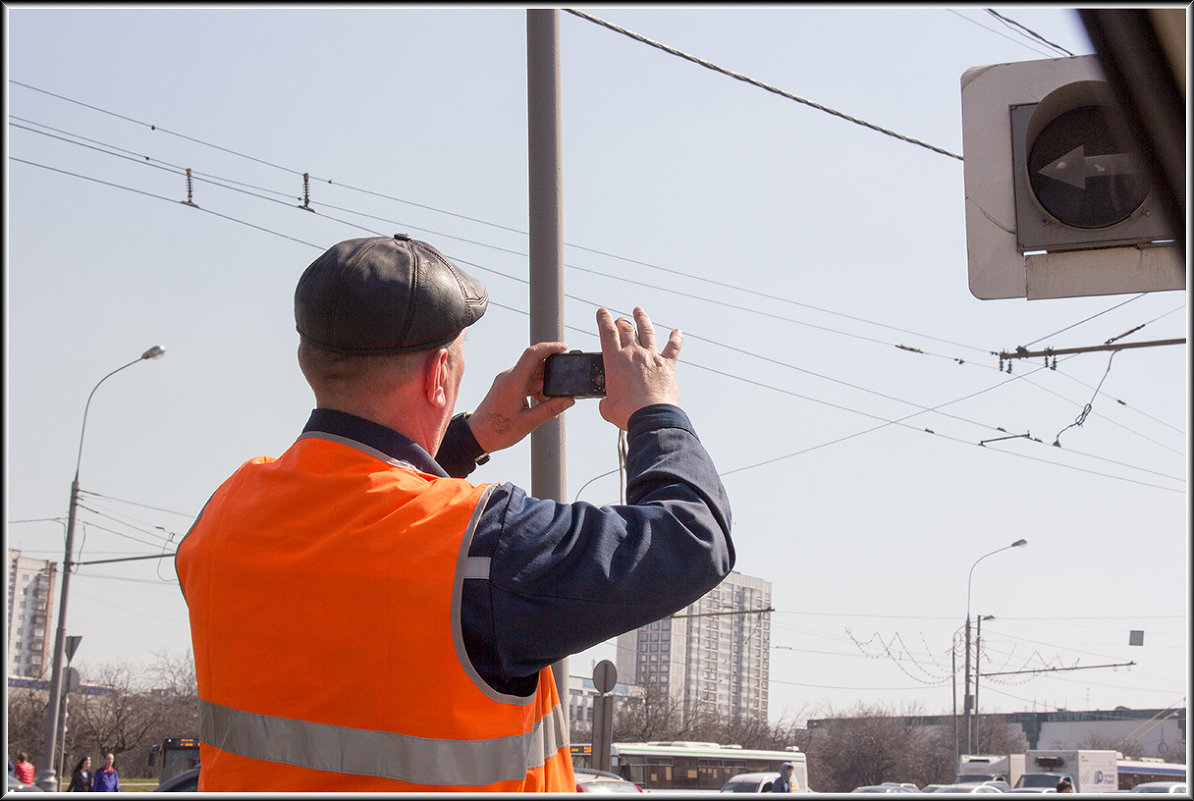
190	201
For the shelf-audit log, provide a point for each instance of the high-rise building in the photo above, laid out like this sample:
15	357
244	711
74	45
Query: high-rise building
30	590
714	656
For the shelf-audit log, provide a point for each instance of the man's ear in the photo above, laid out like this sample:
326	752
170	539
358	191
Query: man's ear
435	378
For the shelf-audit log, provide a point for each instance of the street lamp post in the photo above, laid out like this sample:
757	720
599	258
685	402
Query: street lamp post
48	780
978	656
966	702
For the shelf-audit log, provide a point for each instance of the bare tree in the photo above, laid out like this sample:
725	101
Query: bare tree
117	721
999	737
123	709
652	715
869	747
26	722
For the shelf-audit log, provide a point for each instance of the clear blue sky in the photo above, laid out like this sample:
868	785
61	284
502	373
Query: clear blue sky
796	250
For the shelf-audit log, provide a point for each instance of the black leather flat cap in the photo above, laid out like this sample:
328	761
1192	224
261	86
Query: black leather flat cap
385	295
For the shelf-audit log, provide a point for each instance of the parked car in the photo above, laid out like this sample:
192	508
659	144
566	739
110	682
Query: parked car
1043	779
185	782
591	780
750	783
1160	787
883	788
967	787
587	781
1033	790
15	785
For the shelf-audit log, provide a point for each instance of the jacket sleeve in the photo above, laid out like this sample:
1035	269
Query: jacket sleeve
459	451
564	577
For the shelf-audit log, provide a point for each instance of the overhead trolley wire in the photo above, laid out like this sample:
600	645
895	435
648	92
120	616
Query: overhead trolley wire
580	299
218	182
154	127
502	227
161	197
1029	31
573	266
738	76
1081	322
223	182
885	423
1018	41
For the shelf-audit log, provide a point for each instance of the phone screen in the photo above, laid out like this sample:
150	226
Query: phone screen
575	375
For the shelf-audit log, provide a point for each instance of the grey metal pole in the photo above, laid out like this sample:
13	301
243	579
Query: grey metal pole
1020	543
978	640
966	695
48	780
546	248
954	675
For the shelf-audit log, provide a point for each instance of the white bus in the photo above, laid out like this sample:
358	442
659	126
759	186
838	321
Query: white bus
1138	771
692	765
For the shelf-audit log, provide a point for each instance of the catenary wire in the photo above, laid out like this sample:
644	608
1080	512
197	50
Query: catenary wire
1018	40
162	197
218	180
442	211
135	503
136	525
1029	31
738	76
1087	320
118	533
886	421
665	289
729	375
154	127
224	183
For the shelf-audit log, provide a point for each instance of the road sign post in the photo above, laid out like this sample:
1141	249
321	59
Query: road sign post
605	676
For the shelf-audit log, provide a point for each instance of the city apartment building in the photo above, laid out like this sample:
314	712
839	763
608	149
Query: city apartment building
714	656
581	696
30	594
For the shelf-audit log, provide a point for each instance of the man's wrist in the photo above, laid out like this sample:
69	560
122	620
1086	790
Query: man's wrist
472	448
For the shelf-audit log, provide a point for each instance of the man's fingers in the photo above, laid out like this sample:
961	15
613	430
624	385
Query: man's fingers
607	331
529	367
626	332
671	351
548	409
646	331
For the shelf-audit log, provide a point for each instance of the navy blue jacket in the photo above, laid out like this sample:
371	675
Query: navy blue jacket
567	576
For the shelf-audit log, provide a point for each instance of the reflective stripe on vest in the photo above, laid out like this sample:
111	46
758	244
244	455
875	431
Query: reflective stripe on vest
418	760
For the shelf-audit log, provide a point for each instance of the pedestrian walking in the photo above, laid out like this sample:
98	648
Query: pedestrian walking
783	782
436	606
106	780
80	777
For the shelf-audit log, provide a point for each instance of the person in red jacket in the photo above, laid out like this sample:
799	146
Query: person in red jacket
24	770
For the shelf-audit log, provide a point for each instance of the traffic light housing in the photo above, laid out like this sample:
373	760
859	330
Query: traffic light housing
1056	205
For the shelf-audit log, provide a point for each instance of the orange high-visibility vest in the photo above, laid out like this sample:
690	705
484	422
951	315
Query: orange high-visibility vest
324	594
